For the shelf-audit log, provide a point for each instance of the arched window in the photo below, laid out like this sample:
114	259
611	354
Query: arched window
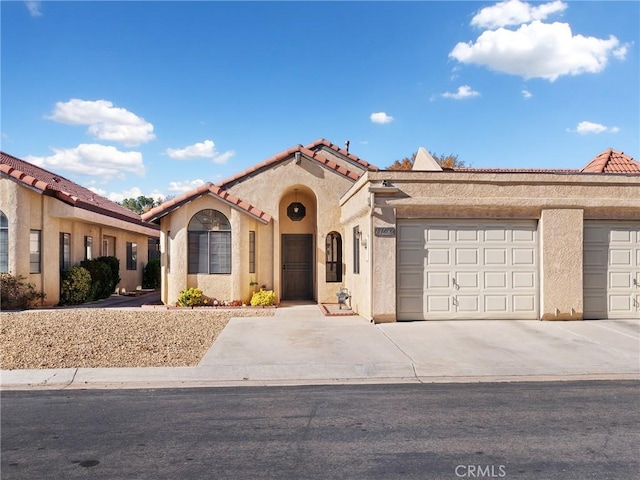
4	243
209	243
334	257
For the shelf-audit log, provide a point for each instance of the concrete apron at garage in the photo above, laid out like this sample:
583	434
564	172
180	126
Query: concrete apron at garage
299	343
301	346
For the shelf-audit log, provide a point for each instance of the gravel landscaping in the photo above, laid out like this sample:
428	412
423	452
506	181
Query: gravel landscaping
73	338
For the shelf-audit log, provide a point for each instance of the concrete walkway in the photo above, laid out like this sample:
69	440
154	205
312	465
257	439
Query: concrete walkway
301	346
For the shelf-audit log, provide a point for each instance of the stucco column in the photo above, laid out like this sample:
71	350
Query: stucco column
561	244
383	258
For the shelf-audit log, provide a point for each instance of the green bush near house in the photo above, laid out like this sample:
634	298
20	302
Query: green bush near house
101	278
76	287
114	265
16	294
263	298
191	297
151	276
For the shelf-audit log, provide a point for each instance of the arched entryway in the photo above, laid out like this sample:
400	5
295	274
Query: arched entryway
298	220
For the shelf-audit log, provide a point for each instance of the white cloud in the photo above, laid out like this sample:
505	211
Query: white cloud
92	159
586	128
105	121
206	149
514	12
381	118
34	8
133	192
538	50
185	186
465	91
526	93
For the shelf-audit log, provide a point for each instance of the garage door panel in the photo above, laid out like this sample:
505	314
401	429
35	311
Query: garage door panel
524	280
526	235
473	269
411	233
467	256
467	280
439	256
496	303
411	257
467	303
523	256
495	280
621	236
438	304
495	234
469	234
620	257
595	257
437	234
408	280
620	303
620	280
524	303
438	280
611	264
495	256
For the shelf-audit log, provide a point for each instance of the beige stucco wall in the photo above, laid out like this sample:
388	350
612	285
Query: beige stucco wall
319	190
28	210
560	202
561	245
357	213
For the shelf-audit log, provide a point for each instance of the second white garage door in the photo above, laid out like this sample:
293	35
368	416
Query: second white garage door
611	270
467	270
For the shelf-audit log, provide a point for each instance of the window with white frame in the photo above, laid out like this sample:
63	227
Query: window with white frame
356	249
252	251
35	251
209	243
132	256
4	243
88	248
333	250
65	251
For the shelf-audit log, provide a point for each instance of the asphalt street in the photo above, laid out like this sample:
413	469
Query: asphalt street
532	430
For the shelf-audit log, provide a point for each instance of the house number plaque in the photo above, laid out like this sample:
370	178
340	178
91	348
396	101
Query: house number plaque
385	232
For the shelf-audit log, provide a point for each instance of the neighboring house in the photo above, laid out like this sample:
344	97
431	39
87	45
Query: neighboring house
49	224
411	245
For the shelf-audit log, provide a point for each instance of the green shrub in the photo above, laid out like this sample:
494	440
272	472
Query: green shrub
101	278
151	276
263	298
114	265
15	293
191	297
76	286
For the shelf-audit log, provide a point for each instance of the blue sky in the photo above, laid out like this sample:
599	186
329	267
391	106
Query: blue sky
154	98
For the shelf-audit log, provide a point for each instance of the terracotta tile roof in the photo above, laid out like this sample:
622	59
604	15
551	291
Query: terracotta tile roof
63	189
322	142
167	207
612	161
512	170
279	157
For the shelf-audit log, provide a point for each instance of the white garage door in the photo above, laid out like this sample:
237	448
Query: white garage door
467	270
611	270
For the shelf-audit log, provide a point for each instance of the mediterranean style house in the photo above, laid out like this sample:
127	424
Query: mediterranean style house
423	244
49	223
419	244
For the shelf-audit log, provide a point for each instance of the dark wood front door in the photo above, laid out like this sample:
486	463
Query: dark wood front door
297	267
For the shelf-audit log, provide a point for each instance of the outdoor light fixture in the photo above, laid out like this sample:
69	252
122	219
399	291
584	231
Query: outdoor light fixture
296	211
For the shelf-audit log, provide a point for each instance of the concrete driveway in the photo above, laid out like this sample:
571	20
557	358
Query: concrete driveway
300	343
301	346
